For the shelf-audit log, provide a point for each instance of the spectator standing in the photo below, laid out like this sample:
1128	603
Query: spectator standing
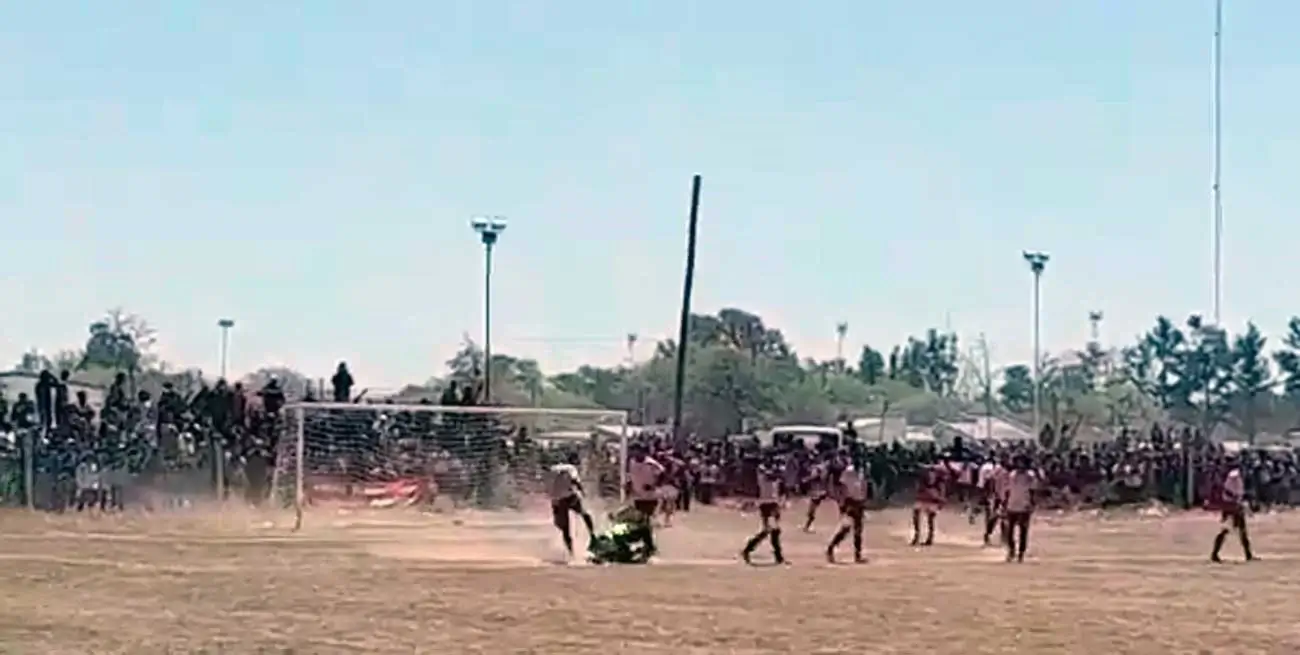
21	414
61	398
342	383
450	395
45	384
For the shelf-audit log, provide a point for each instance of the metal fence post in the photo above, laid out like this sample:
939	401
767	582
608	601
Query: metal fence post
29	469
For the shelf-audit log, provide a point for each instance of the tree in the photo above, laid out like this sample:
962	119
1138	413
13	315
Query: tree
871	366
1154	365
1205	364
1017	390
33	362
120	342
1252	377
1288	361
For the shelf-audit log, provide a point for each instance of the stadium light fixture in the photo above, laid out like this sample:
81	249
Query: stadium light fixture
225	324
1037	264
489	229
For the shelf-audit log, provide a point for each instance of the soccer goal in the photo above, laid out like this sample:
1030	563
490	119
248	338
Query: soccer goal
389	455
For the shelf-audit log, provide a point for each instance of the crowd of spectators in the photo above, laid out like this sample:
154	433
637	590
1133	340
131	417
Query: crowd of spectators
137	440
80	454
1174	466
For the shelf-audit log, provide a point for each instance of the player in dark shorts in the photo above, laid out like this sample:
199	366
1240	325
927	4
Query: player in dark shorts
769	512
566	491
853	491
820	480
1232	512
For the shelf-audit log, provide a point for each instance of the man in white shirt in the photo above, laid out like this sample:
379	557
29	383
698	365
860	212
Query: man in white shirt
770	475
1019	486
1232	505
853	490
566	498
644	476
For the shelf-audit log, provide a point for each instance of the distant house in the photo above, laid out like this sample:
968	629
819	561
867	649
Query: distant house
13	383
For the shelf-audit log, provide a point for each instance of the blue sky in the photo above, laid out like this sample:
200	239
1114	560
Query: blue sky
309	169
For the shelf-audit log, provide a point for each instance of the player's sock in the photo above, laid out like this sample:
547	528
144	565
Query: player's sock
857	544
990	524
1219	539
752	544
1024	541
590	525
776	546
929	528
567	535
916	527
839	537
1245	544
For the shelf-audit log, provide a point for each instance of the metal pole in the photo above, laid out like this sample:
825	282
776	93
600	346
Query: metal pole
300	467
487	322
1038	358
28	444
683	328
622	460
225	348
988	390
1216	189
225	324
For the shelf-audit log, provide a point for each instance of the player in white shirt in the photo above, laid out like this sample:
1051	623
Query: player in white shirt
1018	488
989	504
853	491
644	477
90	483
1232	506
566	498
769	511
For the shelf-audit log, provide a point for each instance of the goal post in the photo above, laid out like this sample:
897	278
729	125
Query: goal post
409	455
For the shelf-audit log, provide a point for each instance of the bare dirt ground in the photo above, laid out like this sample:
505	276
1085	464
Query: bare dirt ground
207	582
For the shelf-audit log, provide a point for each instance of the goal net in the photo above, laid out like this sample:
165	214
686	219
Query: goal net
391	455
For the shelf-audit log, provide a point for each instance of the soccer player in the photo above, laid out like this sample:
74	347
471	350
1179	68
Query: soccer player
819	483
769	511
566	498
853	491
1232	502
624	541
1019	486
644	475
988	480
931	491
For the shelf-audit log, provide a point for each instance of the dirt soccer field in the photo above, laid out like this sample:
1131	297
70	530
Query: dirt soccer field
388	583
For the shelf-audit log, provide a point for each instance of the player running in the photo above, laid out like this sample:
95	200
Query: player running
769	512
566	498
853	491
1019	486
1232	501
644	476
990	502
931	491
819	483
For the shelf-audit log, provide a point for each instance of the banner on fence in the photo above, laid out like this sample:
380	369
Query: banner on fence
403	492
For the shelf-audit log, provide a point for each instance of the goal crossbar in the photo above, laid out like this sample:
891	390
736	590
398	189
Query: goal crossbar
457	409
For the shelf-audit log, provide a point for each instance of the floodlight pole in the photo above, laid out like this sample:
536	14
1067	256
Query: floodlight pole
1037	264
225	324
489	229
1217	188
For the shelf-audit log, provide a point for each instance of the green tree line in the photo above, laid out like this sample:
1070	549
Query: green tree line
741	373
